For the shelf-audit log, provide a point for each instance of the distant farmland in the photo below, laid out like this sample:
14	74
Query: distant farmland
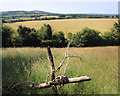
70	25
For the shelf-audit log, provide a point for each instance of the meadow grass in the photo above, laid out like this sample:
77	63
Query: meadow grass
69	25
100	63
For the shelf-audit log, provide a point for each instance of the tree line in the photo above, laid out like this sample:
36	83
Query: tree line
33	19
57	18
30	37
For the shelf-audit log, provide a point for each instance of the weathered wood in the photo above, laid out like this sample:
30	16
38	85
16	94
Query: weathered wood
58	80
52	67
79	79
70	80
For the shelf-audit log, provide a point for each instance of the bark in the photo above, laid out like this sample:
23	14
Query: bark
52	67
70	80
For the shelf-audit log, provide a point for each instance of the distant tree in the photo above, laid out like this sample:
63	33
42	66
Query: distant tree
45	32
23	30
69	35
113	37
17	41
29	36
60	38
116	27
110	38
62	15
7	36
87	37
34	39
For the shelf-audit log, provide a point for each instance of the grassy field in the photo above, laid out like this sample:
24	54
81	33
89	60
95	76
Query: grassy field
69	25
100	63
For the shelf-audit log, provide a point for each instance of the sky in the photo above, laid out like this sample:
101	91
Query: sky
62	6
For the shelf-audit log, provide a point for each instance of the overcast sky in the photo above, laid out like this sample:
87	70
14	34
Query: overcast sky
62	6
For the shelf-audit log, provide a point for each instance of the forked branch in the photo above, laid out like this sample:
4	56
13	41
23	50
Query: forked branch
56	80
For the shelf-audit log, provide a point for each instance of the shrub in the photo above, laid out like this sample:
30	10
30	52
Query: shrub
87	37
7	36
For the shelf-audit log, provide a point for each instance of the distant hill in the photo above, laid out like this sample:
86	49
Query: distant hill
20	16
44	12
41	12
26	12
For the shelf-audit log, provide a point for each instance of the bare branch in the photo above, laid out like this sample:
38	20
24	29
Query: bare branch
70	80
47	77
67	50
66	54
61	64
66	57
52	68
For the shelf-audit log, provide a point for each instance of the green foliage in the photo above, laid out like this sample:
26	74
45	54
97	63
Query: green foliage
34	39
29	37
60	38
51	43
23	31
7	36
43	37
112	37
69	36
116	30
45	32
87	37
17	41
62	15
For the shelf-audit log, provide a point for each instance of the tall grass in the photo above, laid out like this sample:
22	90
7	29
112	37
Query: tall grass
100	63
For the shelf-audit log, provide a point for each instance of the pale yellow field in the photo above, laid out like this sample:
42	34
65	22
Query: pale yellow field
49	16
70	25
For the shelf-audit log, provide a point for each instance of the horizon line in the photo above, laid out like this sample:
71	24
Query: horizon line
62	12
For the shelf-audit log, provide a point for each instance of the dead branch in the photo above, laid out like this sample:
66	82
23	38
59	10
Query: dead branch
47	77
67	58
52	68
58	80
70	80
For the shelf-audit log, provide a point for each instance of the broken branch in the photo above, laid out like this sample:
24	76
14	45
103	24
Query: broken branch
70	80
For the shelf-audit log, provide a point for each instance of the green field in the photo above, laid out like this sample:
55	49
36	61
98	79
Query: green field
100	63
70	25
